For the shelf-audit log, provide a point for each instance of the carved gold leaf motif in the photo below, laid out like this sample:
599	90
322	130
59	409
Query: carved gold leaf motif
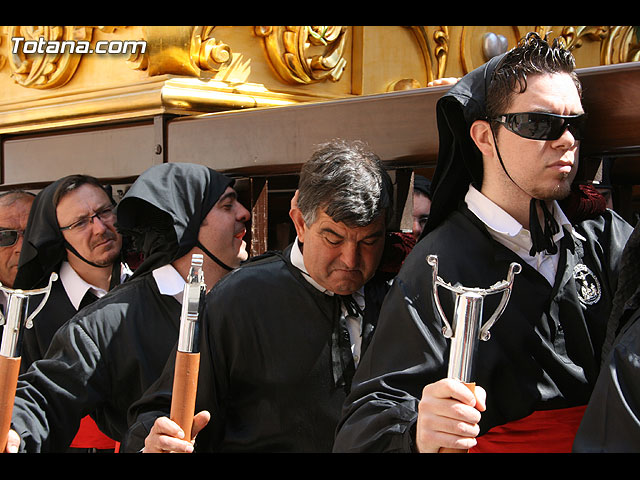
305	54
47	70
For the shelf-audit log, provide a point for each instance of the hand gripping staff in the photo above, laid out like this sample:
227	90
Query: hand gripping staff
17	308
185	380
466	330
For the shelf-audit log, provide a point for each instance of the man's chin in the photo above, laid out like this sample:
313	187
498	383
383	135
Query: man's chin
347	286
105	261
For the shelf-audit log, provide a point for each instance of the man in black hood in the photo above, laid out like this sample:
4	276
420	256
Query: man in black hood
109	353
71	231
509	138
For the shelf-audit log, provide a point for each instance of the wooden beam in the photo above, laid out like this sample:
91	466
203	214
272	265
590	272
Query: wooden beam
399	126
611	96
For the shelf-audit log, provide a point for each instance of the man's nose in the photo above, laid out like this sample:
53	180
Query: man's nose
349	254
17	247
97	225
243	214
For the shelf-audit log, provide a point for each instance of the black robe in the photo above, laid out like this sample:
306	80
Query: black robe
543	353
266	370
611	422
54	314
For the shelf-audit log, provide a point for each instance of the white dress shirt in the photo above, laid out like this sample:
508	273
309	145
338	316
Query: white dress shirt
76	287
509	232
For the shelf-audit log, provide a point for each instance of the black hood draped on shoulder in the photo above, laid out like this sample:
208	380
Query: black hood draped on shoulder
163	210
459	160
44	247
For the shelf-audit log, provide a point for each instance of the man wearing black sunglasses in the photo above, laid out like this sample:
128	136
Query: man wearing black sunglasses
15	206
509	140
14	214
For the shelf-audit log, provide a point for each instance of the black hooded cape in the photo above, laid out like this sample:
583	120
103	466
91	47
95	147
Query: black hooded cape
459	160
106	356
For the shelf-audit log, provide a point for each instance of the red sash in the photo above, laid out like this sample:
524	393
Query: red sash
547	431
89	436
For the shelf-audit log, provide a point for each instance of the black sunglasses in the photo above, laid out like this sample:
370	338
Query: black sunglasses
543	126
9	238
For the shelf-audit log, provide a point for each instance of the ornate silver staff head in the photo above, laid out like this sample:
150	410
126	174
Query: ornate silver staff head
194	290
17	308
466	329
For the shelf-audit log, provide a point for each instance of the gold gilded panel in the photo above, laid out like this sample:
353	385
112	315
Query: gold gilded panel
189	70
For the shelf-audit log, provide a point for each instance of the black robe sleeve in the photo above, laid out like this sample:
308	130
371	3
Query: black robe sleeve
611	423
99	363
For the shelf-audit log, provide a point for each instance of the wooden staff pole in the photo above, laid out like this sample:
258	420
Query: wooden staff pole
9	370
187	367
15	321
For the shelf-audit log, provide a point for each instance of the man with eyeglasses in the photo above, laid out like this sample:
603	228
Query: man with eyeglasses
509	138
72	232
109	353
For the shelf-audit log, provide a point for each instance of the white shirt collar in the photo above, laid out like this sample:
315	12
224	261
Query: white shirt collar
502	223
76	287
169	281
508	231
298	261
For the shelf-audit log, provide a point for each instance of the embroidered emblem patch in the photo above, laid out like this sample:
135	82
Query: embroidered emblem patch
587	284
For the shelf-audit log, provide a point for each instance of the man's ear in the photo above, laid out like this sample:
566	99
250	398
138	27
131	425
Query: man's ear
480	132
296	217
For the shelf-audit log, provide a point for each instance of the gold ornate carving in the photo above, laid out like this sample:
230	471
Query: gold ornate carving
184	50
304	54
574	37
618	44
422	38
479	44
622	44
207	52
441	37
48	70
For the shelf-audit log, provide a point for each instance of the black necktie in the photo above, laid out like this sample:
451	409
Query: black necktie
353	309
343	363
88	299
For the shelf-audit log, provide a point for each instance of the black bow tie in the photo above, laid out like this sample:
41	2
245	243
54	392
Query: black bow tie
353	309
542	239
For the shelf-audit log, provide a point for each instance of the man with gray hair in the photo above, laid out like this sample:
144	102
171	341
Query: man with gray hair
283	335
15	206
